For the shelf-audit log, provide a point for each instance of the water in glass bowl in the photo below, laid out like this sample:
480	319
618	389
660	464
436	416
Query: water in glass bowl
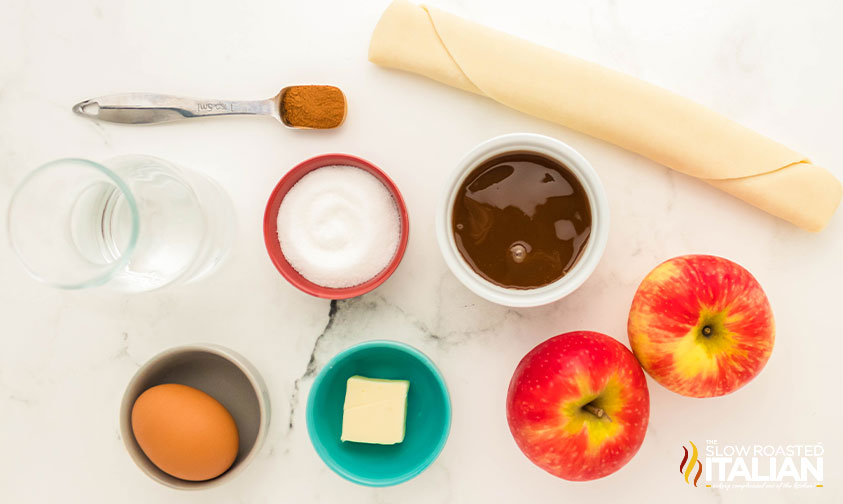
133	223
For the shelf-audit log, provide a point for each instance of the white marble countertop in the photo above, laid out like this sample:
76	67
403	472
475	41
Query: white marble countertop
67	356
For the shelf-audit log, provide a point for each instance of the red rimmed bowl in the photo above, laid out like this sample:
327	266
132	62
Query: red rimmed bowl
270	227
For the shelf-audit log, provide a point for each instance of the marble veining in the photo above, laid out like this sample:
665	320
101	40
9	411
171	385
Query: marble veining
67	356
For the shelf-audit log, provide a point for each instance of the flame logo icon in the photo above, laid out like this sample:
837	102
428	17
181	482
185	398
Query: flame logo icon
687	466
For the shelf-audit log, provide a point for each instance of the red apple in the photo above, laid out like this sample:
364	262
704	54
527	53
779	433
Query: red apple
578	405
701	325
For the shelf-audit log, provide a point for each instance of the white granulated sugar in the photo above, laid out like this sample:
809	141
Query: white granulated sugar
339	226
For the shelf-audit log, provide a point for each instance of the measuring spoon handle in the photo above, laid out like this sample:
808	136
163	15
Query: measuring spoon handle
148	108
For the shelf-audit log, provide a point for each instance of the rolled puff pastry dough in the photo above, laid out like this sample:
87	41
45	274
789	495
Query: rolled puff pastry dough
609	105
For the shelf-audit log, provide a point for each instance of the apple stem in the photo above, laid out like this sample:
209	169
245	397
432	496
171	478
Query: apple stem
594	410
707	331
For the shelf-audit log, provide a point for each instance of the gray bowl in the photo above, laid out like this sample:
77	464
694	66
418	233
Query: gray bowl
217	371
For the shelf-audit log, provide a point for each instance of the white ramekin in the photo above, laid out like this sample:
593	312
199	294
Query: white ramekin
564	154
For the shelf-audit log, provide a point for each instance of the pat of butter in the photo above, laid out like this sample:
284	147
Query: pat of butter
375	410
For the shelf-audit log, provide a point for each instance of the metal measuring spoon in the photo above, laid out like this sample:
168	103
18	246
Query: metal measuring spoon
148	108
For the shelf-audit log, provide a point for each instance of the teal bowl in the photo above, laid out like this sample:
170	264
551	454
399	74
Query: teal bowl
428	414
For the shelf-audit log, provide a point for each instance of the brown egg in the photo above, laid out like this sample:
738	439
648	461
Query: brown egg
185	432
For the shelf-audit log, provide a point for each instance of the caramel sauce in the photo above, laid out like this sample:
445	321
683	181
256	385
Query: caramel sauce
521	220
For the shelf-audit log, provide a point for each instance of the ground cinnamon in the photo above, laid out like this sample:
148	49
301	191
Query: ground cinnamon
318	107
